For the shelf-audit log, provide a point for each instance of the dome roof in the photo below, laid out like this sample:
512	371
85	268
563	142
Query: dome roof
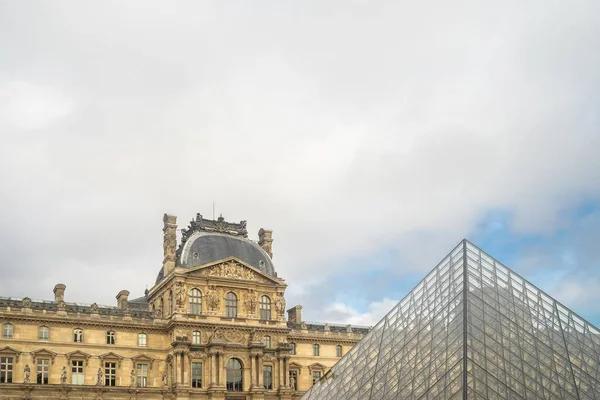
201	246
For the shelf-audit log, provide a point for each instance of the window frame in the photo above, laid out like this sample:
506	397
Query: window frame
267	341
110	373
238	385
231	305
316	350
317	377
77	371
195	377
142	339
111	337
8	331
339	351
7	369
294	373
77	335
267	376
196	338
45	329
141	374
195	301
264	308
42	369
293	349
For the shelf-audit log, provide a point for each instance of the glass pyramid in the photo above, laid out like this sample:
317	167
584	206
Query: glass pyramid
472	329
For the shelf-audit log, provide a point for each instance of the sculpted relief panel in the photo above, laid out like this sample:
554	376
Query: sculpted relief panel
231	270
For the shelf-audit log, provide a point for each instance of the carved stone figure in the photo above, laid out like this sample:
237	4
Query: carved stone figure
293	382
212	298
26	302
253	336
99	377
63	376
95	307
158	313
62	306
251	301
26	374
280	304
231	270
180	294
132	378
165	379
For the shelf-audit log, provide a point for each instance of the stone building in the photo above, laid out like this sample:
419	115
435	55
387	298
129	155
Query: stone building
212	327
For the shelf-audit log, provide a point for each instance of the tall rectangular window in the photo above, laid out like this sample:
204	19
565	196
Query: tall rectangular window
338	350
110	337
110	373
196	375
316	375
6	369
7	331
142	340
43	371
77	335
268	377
294	379
142	375
77	372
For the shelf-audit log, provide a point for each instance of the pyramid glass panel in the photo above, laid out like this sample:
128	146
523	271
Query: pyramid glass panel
472	329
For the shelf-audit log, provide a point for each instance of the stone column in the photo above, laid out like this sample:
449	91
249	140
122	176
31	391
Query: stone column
178	369
213	368
260	375
186	369
280	371
252	369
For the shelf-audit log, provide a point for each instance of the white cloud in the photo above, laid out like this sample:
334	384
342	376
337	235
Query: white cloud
343	313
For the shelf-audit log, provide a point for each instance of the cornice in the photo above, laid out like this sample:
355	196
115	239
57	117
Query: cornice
322	339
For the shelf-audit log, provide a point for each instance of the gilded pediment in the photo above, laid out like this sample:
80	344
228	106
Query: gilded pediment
230	269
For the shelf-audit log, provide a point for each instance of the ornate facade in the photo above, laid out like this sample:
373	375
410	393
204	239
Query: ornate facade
212	327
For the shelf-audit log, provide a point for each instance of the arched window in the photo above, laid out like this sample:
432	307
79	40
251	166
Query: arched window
171	307
195	301
196	337
234	375
77	335
338	350
231	305
142	340
8	331
44	333
162	307
293	349
315	349
265	308
267	341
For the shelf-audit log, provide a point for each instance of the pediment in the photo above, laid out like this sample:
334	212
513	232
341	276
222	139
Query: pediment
111	356
44	353
79	354
142	358
294	365
6	350
317	367
231	268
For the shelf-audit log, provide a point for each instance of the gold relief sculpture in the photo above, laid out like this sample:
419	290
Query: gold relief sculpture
231	270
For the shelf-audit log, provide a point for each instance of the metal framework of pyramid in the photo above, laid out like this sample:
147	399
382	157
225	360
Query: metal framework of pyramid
472	329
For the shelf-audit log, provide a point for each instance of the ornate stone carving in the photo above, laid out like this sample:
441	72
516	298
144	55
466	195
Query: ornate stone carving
207	225
158	313
62	306
267	357
280	304
99	377
217	334
63	376
180	294
26	374
234	336
212	298
231	270
251	301
132	378
26	302
165	380
94	307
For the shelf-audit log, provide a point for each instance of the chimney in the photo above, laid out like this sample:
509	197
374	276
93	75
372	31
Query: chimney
265	240
59	292
169	243
122	298
295	315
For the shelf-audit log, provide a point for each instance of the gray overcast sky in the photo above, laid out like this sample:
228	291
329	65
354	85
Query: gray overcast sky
351	128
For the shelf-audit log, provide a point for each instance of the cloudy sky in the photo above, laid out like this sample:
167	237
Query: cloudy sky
371	136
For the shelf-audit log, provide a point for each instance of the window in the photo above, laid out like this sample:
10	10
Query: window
77	335
44	333
43	371
110	337
231	305
142	375
142	340
195	302
293	349
267	341
196	337
316	375
162	307
338	350
6	369
294	379
234	375
170	302
77	372
265	308
268	377
196	375
315	349
7	331
110	373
